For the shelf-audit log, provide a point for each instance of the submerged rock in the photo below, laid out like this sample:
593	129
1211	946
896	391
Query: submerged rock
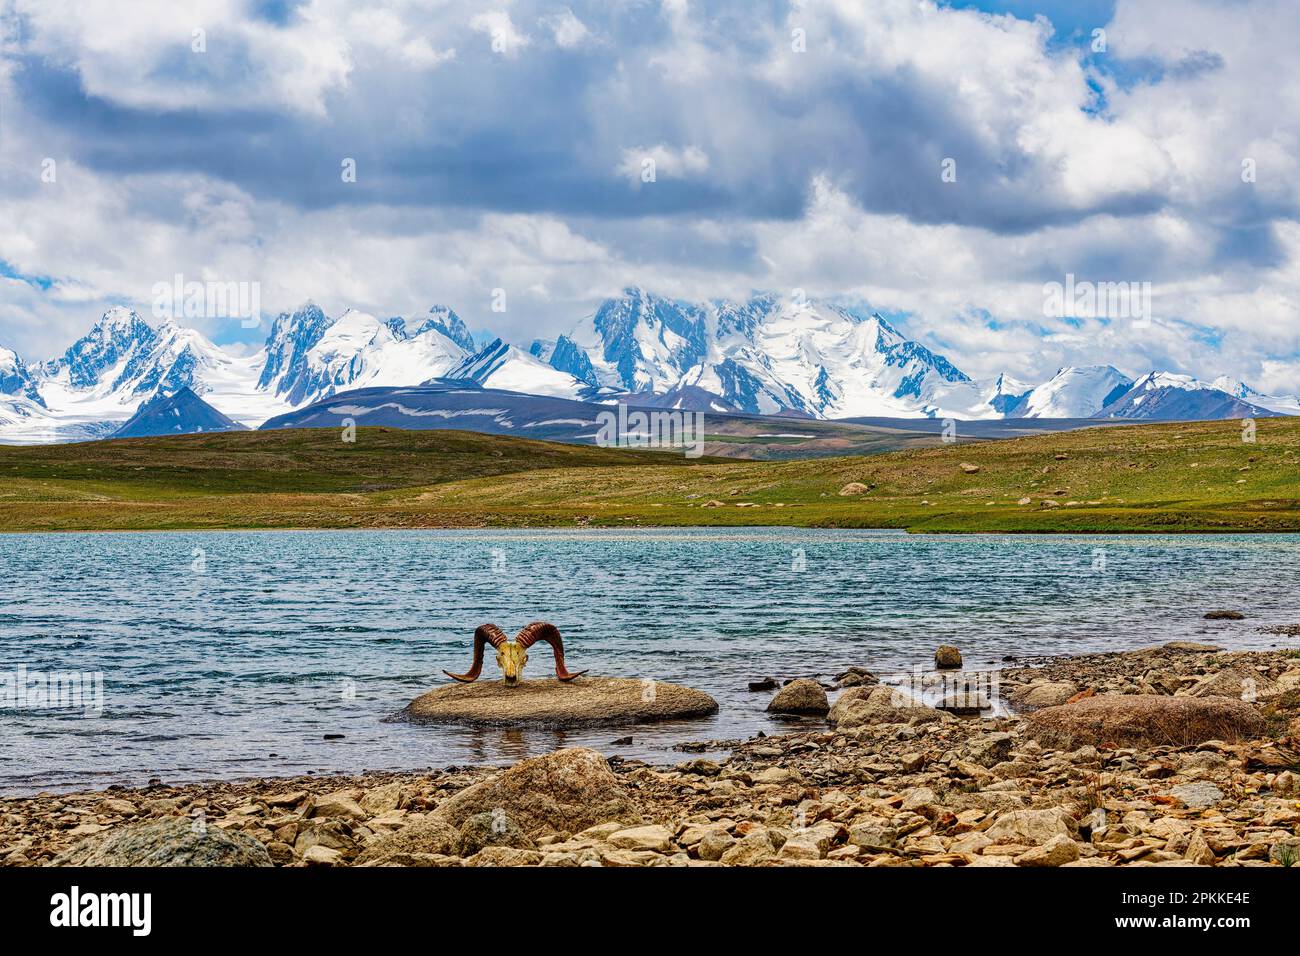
1224	616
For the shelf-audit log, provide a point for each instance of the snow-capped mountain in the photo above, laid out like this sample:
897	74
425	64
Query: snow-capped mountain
505	367
769	354
103	377
310	356
15	379
1165	395
1282	404
1075	393
1007	396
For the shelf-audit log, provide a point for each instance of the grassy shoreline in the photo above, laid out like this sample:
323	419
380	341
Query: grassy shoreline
1156	478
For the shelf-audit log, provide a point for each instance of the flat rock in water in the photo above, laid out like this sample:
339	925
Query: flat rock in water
585	702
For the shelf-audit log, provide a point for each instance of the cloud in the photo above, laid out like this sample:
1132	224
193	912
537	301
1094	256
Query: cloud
567	30
506	39
777	164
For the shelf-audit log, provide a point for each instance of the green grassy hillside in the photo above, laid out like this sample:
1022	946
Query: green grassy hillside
1165	477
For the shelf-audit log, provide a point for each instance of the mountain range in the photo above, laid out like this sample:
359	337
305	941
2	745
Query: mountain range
768	355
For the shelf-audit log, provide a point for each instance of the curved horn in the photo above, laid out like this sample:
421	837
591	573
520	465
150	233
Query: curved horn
483	634
542	631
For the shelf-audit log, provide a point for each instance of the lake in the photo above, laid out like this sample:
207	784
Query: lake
234	654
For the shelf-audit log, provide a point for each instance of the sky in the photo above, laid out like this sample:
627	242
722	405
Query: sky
941	163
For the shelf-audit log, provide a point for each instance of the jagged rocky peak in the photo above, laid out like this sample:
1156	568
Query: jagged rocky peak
16	378
119	334
446	321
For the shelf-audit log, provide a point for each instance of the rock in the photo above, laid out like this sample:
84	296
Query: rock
430	836
766	683
174	841
856	677
382	799
714	844
1057	851
993	749
567	790
585	702
1137	720
1239	682
852	489
873	836
1285	852
338	805
1198	794
803	696
1198	850
322	856
753	849
775	775
652	837
120	808
504	856
803	846
1188	647
969	468
491	829
1224	616
947	657
1049	694
860	706
1031	827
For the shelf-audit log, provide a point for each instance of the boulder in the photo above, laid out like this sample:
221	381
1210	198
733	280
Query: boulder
653	837
856	677
753	849
585	702
429	837
1197	794
969	469
853	489
1243	683
491	829
861	706
802	696
1031	827
1144	720
174	841
1224	616
947	657
567	790
1057	851
714	844
1047	694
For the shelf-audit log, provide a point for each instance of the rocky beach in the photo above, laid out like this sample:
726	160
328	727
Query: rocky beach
1180	755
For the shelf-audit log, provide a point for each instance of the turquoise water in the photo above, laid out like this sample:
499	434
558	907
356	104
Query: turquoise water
233	654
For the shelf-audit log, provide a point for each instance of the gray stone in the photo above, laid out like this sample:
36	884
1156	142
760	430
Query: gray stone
175	841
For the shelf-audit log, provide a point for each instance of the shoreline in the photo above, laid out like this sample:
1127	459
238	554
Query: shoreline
906	786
